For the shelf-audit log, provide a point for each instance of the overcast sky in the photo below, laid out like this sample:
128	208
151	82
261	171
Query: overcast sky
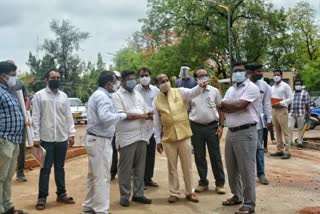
25	23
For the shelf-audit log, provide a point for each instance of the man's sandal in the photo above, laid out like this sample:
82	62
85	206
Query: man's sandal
231	201
41	204
244	210
65	199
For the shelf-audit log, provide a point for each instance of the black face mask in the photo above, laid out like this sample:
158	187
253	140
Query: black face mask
259	76
54	84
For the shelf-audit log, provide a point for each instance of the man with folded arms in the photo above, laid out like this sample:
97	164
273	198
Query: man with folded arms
207	127
54	131
241	105
173	133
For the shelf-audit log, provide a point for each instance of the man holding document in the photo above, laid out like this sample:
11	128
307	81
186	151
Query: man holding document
53	130
281	97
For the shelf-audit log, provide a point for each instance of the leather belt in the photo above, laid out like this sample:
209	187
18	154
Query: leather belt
89	133
205	124
245	126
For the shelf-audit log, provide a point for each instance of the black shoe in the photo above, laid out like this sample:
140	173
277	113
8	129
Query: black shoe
285	156
277	154
300	146
142	200
113	177
124	202
151	184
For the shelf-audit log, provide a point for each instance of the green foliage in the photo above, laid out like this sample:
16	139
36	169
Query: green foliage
311	75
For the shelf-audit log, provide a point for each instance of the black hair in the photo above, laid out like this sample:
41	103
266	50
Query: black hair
126	73
156	80
12	64
267	80
278	70
145	69
105	77
298	80
253	66
197	69
240	63
47	75
6	67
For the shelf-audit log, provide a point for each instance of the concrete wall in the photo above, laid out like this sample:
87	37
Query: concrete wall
288	77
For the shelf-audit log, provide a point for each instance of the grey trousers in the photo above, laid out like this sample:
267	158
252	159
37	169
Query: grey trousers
131	168
240	156
8	158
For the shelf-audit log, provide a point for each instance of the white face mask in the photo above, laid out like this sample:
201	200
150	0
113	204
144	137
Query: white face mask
117	84
203	80
277	78
164	87
11	82
145	80
298	87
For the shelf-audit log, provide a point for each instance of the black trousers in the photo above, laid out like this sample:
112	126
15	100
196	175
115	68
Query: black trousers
22	156
150	159
206	136
265	135
114	165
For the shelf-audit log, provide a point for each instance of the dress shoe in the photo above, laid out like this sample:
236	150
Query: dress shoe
263	180
201	188
285	156
151	184
192	198
277	154
220	190
142	200
124	202
173	199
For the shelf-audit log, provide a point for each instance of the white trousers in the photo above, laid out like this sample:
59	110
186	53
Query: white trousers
99	152
300	124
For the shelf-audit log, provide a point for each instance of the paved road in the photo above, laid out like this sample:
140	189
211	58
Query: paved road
295	184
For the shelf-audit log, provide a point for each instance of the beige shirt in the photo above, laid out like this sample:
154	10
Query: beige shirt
204	107
131	131
51	116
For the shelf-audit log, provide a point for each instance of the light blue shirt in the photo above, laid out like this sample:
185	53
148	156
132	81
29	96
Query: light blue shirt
148	94
102	116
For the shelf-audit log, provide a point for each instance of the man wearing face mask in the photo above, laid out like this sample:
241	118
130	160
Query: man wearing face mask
207	124
132	136
172	133
300	107
148	92
265	117
241	107
185	80
11	131
53	129
102	120
281	97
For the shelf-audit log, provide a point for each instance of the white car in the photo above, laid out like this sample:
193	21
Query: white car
78	110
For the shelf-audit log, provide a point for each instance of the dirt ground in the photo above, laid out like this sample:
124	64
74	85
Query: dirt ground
294	185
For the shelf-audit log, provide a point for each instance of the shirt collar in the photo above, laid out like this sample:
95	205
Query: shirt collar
123	90
244	83
105	91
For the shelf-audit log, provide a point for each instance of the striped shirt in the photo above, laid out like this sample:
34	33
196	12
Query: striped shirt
11	119
301	100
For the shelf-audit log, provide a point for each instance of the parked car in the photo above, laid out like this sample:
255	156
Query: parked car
78	110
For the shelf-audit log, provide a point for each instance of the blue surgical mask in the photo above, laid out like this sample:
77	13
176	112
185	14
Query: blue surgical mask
131	84
203	79
239	77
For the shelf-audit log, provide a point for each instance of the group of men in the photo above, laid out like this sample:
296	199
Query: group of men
135	119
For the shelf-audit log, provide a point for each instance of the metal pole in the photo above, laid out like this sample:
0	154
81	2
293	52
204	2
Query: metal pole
230	44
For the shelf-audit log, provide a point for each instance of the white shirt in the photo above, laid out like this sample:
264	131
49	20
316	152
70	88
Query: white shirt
265	103
102	115
282	91
204	107
51	116
247	91
187	94
131	131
